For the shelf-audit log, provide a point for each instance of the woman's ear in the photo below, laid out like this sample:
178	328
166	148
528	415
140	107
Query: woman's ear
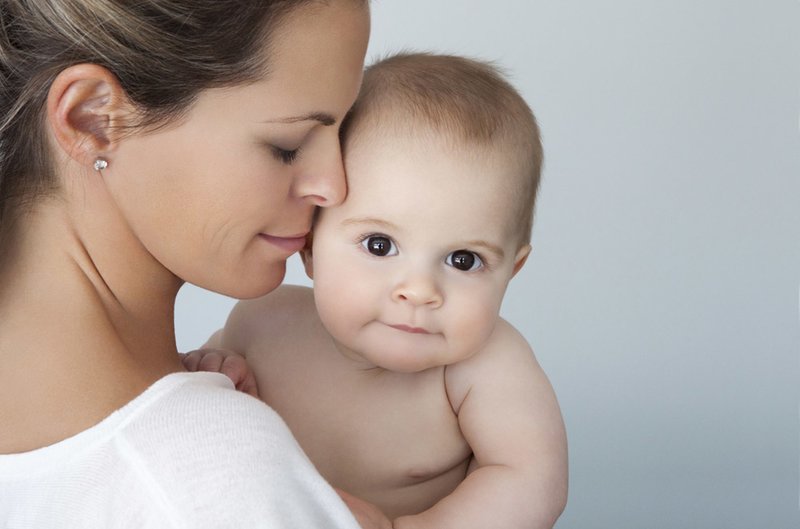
521	258
86	107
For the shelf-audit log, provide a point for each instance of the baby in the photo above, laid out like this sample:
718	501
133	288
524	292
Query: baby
395	373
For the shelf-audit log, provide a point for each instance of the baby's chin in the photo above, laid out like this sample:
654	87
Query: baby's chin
396	363
405	361
398	354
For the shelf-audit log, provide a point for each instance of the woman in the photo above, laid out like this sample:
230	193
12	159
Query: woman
145	144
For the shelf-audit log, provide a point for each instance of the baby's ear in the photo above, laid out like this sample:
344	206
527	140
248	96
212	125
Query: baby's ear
305	256
521	258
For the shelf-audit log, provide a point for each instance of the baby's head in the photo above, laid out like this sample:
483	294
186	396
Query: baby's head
463	103
443	159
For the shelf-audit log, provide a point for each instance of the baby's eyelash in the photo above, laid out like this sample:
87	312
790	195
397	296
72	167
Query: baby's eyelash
364	236
475	257
384	245
488	262
483	259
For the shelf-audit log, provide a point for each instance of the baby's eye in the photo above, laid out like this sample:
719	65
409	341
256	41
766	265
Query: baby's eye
379	245
464	260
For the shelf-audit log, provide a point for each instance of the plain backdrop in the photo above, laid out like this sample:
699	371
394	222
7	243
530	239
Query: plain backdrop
662	293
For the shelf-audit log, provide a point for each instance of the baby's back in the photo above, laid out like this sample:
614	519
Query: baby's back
389	438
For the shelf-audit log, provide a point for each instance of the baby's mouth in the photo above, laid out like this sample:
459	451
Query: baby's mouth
409	329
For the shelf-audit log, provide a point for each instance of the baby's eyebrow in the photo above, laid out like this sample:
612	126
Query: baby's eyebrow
373	221
493	248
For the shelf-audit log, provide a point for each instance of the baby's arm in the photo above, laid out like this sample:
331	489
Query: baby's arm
508	414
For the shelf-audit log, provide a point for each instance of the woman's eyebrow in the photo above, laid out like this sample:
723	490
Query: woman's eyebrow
323	117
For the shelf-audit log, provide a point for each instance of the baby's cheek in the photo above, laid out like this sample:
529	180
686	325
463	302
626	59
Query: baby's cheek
475	326
339	310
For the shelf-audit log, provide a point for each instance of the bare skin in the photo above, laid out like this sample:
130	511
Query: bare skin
88	281
103	343
396	373
86	303
398	440
401	460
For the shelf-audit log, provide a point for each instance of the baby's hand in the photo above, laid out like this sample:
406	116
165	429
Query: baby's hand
366	514
229	363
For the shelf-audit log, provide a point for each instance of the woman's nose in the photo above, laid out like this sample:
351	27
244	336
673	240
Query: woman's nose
323	182
420	290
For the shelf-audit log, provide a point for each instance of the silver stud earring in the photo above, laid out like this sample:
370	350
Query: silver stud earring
100	164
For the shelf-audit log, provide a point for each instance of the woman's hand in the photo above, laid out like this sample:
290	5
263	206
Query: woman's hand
224	361
367	515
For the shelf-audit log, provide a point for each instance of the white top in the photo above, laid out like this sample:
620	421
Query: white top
189	452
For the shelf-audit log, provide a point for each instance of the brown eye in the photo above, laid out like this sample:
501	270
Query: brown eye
379	245
464	260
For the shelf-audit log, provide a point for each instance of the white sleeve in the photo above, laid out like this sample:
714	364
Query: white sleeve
224	459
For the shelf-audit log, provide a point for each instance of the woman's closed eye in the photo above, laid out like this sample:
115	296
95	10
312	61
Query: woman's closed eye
285	156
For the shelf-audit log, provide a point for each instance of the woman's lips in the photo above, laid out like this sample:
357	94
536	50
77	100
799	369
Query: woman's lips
412	330
287	244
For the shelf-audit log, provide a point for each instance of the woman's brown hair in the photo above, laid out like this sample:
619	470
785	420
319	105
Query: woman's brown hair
164	53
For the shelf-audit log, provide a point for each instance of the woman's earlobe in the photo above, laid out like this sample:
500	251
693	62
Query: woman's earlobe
85	106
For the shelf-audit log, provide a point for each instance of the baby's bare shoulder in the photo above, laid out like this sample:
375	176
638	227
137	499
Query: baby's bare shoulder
505	346
286	310
282	302
505	353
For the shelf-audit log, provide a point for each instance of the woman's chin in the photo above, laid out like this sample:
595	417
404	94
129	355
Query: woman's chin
252	285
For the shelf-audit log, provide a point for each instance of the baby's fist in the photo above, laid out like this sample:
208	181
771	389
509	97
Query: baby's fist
229	363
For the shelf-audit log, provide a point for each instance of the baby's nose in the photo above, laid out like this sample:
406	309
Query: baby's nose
419	291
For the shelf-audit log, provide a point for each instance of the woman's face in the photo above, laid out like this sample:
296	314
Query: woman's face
223	198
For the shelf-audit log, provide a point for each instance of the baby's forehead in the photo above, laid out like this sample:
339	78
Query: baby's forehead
420	170
417	143
395	117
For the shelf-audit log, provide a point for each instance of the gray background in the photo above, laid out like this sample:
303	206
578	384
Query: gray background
662	294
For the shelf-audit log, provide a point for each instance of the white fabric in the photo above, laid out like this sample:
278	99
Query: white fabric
187	453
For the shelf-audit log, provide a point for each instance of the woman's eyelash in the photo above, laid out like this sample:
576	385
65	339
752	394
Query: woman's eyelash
284	156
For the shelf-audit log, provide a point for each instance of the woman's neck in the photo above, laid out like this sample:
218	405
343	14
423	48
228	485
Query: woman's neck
86	324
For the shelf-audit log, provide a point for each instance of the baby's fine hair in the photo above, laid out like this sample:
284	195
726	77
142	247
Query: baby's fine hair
467	100
163	52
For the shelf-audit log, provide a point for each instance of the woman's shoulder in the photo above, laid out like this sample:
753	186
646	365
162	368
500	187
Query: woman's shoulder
190	451
225	453
200	410
186	423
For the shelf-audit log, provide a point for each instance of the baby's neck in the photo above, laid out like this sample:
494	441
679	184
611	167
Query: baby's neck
357	363
354	360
